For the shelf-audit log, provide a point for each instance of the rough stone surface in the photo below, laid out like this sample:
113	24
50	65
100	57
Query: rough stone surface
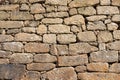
6	38
114	45
116	2
115	68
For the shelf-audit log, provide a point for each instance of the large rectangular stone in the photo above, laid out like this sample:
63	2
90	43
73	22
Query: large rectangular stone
9	7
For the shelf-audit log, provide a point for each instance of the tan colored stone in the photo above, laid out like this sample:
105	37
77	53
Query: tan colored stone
56	2
37	8
72	60
102	46
21	16
86	36
115	67
66	38
24	7
76	29
41	29
49	38
36	47
38	16
97	67
87	11
27	37
4	15
104	36
59	28
78	48
97	25
104	56
44	58
29	29
116	2
73	11
57	14
9	7
5	54
96	18
116	18
62	8
105	2
11	24
18	1
4	61
112	26
21	58
81	3
76	20
116	34
13	31
40	66
98	76
52	21
107	10
114	45
65	73
80	69
6	38
34	1
13	46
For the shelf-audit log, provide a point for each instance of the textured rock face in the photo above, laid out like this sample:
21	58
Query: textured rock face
59	39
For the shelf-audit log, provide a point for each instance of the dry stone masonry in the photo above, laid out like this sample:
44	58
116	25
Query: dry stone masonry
59	39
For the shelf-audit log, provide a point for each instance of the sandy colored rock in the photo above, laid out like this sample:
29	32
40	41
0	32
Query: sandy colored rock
4	15
52	21
116	34
115	67
116	2
40	66
41	29
80	69
72	60
56	2
86	36
49	38
36	47
29	29
80	3
5	54
66	38
104	56
57	74
96	17
116	18
34	1
98	67
6	38
105	2
114	45
78	48
112	26
9	7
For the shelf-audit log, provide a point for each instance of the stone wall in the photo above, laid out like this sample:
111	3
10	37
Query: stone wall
59	39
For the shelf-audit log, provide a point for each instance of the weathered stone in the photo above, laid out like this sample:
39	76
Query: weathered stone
80	68
107	10
112	26
104	36
87	11
11	71
105	2
57	74
86	36
114	45
98	76
24	7
102	46
27	37
40	66
116	2
5	54
97	25
96	18
41	29
56	2
59	28
59	50
38	16
21	58
52	21
116	18
50	8
9	7
29	29
66	38
4	61
44	58
80	3
36	47
34	1
21	16
76	29
116	34
57	14
107	21
31	75
33	23
104	56
78	48
97	67
76	20
72	60
13	46
62	8
11	24
49	38
73	11
37	8
18	1
4	15
13	31
115	67
6	38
